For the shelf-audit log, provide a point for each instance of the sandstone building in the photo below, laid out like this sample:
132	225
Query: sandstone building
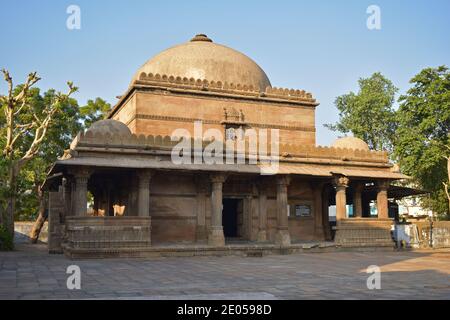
140	202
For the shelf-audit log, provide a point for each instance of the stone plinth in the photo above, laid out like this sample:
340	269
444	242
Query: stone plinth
364	232
107	232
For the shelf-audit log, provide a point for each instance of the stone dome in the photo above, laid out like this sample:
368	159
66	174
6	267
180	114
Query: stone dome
110	126
201	58
350	143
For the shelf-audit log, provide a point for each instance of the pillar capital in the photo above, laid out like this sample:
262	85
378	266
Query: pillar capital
359	187
146	174
262	185
201	183
218	177
340	181
81	174
283	180
383	185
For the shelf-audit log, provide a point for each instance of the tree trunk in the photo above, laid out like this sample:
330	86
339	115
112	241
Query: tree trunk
448	174
11	199
40	220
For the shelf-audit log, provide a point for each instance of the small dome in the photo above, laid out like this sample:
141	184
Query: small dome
350	143
110	126
203	59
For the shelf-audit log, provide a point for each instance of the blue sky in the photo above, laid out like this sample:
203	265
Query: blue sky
320	46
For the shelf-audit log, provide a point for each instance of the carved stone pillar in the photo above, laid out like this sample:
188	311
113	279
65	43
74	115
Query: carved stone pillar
144	193
248	216
382	199
318	203
202	189
282	236
216	237
325	213
357	200
341	184
262	208
80	196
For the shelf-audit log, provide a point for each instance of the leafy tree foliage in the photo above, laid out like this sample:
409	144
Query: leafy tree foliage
35	129
422	136
368	114
93	111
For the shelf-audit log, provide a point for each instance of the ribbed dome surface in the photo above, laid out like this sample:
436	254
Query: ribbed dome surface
202	59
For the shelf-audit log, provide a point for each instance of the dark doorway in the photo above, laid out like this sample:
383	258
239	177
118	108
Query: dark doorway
230	217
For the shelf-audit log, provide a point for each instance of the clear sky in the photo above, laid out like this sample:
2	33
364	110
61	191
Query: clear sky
319	46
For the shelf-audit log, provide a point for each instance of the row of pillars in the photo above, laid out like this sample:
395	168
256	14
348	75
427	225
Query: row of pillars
79	193
216	235
341	184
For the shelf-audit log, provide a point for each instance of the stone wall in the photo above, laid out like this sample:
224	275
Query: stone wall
22	230
440	234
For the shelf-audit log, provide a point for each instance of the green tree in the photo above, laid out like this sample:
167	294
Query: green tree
24	126
69	122
422	136
368	114
93	111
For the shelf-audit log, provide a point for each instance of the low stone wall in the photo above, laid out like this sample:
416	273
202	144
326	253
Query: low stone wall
109	233
440	233
364	232
22	231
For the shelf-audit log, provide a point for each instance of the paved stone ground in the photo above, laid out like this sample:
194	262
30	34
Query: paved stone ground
31	273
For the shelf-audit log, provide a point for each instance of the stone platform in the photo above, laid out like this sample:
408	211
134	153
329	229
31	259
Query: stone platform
364	232
238	249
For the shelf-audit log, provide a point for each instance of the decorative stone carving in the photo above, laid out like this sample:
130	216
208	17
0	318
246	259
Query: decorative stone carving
219	86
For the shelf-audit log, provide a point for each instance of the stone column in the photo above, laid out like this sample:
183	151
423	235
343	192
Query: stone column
357	200
325	214
282	236
144	193
262	208
216	237
80	196
341	184
248	216
201	188
318	203
382	199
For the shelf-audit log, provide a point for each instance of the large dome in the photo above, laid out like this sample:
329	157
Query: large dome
350	143
202	59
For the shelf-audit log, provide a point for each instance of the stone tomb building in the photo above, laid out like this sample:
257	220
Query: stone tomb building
117	192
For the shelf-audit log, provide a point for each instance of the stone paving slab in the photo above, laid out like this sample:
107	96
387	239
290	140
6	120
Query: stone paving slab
31	273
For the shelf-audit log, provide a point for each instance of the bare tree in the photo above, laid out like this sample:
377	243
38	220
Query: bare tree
15	105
